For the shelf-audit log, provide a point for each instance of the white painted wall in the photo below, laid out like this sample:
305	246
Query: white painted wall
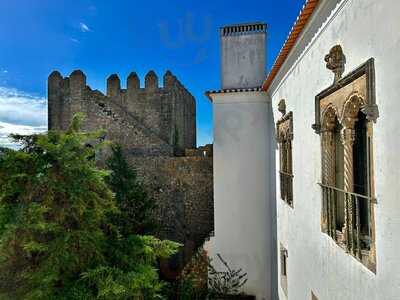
365	29
244	188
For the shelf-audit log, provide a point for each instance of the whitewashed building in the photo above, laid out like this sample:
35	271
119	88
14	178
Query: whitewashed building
307	168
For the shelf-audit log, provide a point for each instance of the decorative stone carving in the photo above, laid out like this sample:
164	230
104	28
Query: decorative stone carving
371	111
282	107
335	62
328	166
284	128
359	82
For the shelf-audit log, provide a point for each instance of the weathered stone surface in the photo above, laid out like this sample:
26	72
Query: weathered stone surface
165	116
183	188
156	127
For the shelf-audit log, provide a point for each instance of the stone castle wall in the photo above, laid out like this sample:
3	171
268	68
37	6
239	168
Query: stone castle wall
150	121
183	189
156	127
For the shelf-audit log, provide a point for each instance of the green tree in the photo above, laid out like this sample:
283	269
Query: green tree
136	207
56	240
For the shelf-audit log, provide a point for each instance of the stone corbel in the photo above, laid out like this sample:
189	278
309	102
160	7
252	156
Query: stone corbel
335	62
371	111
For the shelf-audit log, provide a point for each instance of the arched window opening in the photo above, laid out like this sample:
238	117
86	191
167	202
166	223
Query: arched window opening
361	176
339	176
346	177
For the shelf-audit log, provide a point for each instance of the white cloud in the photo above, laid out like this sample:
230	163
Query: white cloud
20	113
84	27
6	129
74	40
17	107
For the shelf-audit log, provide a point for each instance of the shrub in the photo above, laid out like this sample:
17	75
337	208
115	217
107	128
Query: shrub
57	240
227	282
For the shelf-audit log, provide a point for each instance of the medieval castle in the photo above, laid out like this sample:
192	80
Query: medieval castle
156	126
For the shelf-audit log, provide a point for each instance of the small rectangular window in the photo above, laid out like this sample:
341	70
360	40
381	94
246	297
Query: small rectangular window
284	269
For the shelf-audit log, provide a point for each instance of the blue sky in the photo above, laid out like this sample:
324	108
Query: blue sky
104	37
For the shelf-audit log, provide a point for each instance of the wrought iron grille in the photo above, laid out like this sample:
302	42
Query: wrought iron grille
355	235
286	181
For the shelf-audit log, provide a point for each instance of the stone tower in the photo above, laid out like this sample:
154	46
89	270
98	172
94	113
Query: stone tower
162	119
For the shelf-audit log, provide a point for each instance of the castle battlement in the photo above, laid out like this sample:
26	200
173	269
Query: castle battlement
162	118
113	82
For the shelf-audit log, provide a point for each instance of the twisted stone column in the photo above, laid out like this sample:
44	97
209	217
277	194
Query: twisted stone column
348	137
328	178
281	167
289	171
289	157
329	158
280	155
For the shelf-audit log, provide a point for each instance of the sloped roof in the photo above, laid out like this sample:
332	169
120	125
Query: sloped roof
298	27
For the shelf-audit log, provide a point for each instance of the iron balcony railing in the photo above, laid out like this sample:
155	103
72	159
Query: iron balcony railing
356	234
286	181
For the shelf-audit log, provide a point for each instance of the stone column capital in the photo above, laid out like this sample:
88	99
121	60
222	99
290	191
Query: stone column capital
348	136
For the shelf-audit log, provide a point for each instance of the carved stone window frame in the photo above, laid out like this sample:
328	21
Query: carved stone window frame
284	133
370	108
343	100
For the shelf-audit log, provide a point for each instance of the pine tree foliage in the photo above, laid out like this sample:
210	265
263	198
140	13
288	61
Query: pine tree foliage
56	238
136	207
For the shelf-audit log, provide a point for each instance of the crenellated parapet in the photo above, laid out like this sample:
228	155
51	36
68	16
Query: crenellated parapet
113	86
165	114
133	82
151	81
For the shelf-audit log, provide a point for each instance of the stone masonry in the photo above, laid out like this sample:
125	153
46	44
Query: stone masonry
156	126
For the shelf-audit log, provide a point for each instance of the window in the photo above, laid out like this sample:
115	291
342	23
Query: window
345	114
285	138
346	165
313	297
284	267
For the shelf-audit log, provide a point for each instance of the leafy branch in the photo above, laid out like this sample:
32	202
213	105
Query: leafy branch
227	282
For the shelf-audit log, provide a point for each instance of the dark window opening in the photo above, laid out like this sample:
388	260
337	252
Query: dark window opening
361	169
284	266
339	176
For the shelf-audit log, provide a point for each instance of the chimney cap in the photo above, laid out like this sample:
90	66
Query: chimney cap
243	28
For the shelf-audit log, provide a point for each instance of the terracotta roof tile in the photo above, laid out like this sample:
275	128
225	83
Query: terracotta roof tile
297	29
